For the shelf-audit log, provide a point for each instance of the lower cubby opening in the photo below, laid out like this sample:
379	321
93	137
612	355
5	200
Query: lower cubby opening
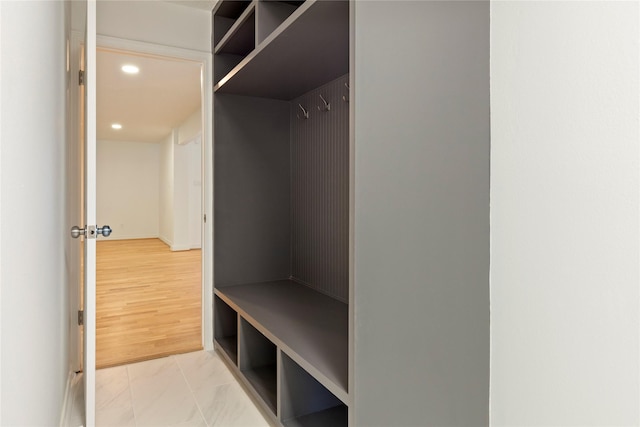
305	402
226	329
299	321
258	363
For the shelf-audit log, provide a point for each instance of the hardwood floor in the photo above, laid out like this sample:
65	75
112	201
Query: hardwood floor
148	301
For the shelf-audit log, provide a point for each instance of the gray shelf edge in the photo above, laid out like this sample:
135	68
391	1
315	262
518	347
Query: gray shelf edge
249	389
236	27
287	22
337	391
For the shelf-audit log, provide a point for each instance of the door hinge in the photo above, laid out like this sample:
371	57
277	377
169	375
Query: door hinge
81	77
80	317
205	218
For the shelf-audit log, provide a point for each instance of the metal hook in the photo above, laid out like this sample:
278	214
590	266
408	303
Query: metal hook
326	106
344	97
305	113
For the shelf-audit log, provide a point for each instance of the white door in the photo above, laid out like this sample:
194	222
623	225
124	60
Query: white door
89	354
87	229
90	218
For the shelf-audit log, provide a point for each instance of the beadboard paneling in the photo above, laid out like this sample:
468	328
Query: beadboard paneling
320	190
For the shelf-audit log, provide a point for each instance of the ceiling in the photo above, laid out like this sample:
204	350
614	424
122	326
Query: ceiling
149	104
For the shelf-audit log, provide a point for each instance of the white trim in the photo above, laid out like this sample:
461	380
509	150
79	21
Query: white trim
180	248
0	215
190	140
118	44
129	237
166	241
204	58
89	363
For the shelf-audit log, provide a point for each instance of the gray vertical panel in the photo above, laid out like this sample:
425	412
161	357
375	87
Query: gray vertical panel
251	182
320	191
421	213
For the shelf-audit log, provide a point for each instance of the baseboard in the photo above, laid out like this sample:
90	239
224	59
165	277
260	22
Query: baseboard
166	241
67	402
130	237
176	248
196	247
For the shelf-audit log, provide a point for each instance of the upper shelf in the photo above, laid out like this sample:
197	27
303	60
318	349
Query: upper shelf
308	49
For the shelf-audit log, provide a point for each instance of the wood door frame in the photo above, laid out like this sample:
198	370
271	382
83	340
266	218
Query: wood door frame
75	154
205	59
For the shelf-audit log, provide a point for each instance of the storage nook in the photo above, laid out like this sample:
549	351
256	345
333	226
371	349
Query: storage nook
281	204
351	205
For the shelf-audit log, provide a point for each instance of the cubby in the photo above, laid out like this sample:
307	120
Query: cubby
225	17
234	34
258	363
240	39
226	329
271	14
305	402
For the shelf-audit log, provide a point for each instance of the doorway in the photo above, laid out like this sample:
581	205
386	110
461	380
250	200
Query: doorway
149	295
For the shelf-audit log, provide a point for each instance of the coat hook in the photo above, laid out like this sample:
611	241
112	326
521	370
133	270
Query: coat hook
326	106
344	97
305	113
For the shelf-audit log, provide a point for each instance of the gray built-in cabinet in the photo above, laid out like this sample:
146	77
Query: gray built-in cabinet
351	202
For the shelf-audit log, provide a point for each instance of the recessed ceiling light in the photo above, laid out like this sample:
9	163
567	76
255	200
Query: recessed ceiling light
116	126
130	69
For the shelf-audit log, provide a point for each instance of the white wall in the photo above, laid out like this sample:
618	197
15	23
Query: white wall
190	134
172	25
34	339
195	192
180	197
191	127
166	190
181	186
564	214
128	176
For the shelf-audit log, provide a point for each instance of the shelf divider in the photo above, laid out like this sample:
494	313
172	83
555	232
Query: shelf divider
240	39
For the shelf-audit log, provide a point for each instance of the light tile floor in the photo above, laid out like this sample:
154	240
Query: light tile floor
192	389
